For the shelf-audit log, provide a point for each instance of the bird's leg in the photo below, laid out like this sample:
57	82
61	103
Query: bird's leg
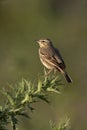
55	71
47	73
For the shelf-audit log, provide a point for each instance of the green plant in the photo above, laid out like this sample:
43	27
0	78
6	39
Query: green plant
64	124
19	99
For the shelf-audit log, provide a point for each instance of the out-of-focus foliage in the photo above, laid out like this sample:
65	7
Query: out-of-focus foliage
21	97
65	23
64	124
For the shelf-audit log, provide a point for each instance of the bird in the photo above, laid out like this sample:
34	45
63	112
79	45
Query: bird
51	58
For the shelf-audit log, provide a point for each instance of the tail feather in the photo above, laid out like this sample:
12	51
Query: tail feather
69	80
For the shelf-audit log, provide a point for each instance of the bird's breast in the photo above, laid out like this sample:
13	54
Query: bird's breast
45	59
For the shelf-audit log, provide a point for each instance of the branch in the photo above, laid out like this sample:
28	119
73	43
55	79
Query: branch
22	95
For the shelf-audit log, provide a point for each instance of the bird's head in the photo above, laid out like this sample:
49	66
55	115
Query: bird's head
44	43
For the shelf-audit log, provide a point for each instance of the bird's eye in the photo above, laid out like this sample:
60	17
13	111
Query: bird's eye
43	41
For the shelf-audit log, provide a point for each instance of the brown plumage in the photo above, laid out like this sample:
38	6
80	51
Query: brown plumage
51	57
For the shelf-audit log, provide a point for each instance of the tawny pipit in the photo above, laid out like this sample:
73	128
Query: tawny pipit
51	57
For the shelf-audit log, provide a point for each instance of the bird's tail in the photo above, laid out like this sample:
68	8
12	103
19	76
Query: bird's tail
67	77
69	80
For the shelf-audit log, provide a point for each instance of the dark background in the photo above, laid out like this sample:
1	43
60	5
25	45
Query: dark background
65	22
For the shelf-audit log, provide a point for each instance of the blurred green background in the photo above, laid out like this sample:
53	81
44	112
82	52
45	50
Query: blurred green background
65	22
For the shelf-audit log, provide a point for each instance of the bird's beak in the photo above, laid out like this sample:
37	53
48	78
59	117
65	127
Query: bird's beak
37	41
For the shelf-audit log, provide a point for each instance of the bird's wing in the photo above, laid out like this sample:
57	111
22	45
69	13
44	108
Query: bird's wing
59	59
48	56
53	57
